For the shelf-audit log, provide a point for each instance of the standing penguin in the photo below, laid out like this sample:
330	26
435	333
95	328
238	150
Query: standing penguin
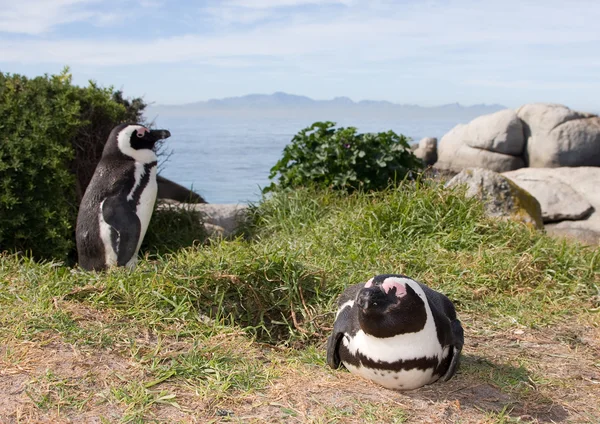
119	201
396	332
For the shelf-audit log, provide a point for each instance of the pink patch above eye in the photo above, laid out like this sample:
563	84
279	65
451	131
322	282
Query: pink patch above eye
369	283
389	284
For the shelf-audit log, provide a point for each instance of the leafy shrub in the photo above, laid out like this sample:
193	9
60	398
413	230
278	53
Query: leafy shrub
51	138
340	158
38	118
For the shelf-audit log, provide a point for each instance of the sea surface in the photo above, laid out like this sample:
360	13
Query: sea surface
227	160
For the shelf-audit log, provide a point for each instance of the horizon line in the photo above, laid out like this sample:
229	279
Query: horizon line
356	102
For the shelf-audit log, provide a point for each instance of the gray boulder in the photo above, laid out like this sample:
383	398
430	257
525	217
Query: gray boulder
559	201
500	132
558	136
462	146
427	150
584	181
502	198
220	220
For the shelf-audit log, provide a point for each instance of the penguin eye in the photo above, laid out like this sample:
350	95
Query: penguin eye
140	134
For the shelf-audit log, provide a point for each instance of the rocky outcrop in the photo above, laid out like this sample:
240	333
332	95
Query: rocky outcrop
502	197
426	150
537	135
569	197
558	136
170	190
220	220
559	201
492	142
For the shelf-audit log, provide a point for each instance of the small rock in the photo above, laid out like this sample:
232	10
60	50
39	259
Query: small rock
220	220
427	150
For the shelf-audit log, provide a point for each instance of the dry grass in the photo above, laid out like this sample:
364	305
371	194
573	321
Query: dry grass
522	375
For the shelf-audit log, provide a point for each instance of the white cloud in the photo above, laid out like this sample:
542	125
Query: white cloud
455	34
513	45
151	4
533	84
35	17
232	16
271	4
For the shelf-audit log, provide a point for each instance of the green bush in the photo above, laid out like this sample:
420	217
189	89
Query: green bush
51	138
38	118
324	156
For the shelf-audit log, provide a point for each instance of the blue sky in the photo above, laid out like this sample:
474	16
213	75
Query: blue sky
421	52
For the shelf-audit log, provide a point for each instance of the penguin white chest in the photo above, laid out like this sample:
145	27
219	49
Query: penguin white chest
147	188
411	358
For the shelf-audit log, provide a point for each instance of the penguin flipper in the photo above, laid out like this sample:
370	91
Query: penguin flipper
457	345
125	226
333	355
341	325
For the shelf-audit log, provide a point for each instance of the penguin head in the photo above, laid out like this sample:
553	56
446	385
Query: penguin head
134	141
388	307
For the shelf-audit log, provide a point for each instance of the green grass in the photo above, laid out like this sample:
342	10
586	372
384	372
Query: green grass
277	284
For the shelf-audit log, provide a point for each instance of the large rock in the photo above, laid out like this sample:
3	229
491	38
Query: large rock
500	132
221	220
427	150
558	136
227	217
559	201
456	153
585	182
502	198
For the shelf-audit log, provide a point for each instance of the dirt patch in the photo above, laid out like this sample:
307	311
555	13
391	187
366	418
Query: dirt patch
537	376
38	379
549	375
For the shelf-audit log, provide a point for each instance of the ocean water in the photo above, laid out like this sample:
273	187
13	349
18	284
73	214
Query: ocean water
227	160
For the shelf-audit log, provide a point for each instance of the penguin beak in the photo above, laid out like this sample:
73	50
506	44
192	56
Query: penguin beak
371	298
160	134
364	299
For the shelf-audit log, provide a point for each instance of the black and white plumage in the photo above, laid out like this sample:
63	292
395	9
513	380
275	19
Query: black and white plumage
396	332
118	203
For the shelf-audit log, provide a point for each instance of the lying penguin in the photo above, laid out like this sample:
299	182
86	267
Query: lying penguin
118	203
396	332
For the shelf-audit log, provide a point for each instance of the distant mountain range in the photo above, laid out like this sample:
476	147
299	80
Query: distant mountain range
284	104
